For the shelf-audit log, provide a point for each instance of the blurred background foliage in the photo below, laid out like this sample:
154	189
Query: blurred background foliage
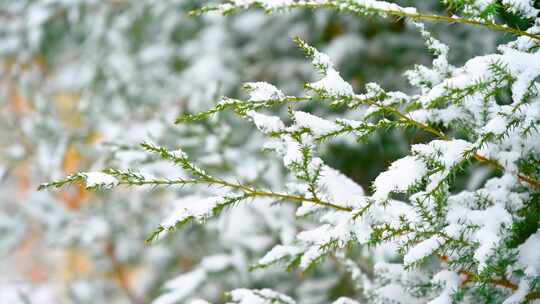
83	82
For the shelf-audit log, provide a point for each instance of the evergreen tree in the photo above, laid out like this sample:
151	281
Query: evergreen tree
453	217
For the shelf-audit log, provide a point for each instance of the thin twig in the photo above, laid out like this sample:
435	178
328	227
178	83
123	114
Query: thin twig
360	10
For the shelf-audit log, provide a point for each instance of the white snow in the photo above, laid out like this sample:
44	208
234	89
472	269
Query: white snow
402	174
497	125
262	296
322	60
194	206
489	220
385	6
262	91
525	7
266	123
450	282
318	126
216	263
279	252
344	300
381	6
293	152
333	85
340	189
268	4
37	15
392	211
422	249
179	153
181	287
198	301
395	293
529	255
519	296
524	66
448	152
339	229
99	179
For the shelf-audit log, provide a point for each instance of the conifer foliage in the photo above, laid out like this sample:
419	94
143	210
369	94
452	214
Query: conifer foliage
447	242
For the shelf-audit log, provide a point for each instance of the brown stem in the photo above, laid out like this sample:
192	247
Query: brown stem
252	192
502	282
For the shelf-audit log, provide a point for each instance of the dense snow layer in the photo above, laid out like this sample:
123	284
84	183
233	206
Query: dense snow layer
317	126
341	189
333	85
422	249
529	255
261	91
402	174
266	123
